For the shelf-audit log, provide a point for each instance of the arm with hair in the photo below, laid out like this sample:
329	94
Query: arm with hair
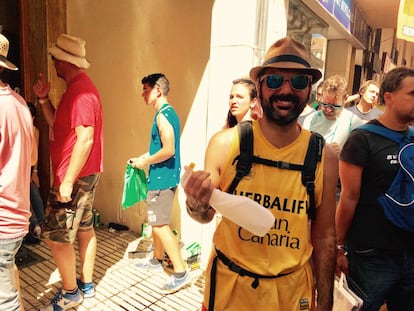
351	99
41	88
351	175
35	157
323	233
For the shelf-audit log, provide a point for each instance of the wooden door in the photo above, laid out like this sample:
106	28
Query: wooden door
41	22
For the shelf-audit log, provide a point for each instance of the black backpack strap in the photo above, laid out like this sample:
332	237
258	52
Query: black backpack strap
313	156
279	164
244	159
213	281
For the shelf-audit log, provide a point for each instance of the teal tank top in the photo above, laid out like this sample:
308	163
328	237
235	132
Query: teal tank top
165	174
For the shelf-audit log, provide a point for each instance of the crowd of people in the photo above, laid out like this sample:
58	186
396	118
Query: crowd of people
293	266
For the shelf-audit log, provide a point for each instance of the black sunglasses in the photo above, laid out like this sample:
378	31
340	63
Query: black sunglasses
275	82
332	106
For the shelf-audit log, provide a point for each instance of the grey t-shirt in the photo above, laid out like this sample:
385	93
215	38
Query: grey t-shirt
367	116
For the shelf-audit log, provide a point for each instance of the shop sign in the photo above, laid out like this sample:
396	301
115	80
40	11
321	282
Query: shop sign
405	25
340	9
328	4
342	12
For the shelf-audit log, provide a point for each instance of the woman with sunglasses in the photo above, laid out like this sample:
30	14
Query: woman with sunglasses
332	121
243	103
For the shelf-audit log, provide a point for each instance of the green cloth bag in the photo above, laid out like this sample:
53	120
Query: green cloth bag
135	186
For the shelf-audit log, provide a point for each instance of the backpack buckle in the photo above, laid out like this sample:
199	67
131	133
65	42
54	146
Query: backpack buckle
310	185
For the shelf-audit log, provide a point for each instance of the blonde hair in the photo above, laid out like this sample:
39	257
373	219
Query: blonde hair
337	86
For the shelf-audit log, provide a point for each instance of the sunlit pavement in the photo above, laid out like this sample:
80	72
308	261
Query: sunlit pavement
119	285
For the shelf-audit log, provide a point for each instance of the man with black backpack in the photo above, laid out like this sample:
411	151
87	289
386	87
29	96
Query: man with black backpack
272	272
374	219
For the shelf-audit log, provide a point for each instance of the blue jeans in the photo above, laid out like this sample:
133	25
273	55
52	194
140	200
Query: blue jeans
37	207
9	296
383	276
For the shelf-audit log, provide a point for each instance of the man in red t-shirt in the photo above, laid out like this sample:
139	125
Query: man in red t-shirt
76	150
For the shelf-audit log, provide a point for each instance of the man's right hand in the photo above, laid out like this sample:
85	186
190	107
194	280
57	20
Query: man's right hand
341	263
199	188
41	87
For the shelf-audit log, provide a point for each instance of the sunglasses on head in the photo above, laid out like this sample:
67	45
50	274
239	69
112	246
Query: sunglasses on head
332	106
275	82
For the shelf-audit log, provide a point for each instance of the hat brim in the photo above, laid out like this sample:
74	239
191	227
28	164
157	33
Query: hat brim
59	54
315	73
7	64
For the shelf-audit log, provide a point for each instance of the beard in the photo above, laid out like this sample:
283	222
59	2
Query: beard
274	114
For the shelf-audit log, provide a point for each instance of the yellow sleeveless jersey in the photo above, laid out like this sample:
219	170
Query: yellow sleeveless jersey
286	247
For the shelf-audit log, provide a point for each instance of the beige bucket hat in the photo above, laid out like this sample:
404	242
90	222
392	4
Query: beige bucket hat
4	50
70	49
287	53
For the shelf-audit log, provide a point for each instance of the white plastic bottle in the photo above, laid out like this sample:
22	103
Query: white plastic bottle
243	211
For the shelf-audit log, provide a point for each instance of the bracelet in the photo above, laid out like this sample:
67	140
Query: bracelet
199	210
35	171
43	100
342	248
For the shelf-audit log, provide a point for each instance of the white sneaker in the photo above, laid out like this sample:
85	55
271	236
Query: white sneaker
148	265
175	284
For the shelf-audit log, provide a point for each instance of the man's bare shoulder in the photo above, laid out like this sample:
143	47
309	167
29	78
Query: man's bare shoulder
223	138
218	152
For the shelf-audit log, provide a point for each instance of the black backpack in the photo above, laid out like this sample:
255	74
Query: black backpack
246	158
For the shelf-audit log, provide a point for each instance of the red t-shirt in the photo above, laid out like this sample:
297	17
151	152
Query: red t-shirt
80	106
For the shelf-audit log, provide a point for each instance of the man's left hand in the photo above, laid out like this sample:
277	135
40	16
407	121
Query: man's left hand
138	162
65	192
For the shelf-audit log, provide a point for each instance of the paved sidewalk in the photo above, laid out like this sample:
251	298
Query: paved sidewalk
119	285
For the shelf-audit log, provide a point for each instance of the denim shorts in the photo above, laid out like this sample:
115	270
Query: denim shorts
380	276
63	220
9	296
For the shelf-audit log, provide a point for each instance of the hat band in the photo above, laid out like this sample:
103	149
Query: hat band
287	58
68	52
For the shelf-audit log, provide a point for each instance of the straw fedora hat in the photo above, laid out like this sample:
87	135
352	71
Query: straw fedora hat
70	49
287	53
4	50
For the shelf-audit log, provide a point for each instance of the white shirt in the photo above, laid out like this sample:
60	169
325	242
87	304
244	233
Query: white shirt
334	131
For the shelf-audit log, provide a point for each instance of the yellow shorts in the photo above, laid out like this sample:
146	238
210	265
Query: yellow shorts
291	292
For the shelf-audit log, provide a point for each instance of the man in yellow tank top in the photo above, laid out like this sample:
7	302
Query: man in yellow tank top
272	272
